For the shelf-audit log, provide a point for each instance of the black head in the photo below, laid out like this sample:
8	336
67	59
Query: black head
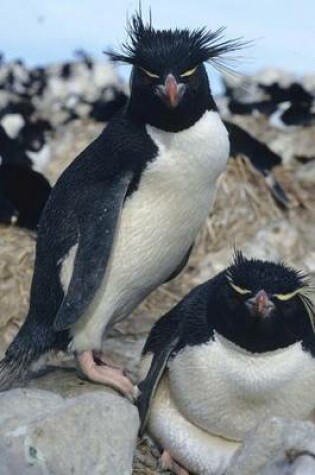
169	83
263	306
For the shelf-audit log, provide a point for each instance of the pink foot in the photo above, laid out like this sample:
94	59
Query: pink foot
168	463
103	374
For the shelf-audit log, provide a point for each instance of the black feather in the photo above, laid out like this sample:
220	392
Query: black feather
150	48
274	277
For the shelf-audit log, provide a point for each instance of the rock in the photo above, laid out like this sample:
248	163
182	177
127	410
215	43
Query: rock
212	264
276	447
44	433
306	173
309	262
309	82
280	240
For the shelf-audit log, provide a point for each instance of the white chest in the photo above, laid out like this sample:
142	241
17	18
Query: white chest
226	390
191	159
160	220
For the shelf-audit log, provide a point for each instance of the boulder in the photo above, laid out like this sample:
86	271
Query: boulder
276	447
88	429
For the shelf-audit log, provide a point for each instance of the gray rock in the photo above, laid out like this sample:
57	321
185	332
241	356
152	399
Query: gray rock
276	447
43	433
212	264
280	240
277	241
306	173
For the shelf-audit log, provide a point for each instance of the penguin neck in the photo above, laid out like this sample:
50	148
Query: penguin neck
181	118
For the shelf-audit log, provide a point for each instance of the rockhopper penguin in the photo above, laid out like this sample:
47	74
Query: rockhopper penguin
236	350
122	219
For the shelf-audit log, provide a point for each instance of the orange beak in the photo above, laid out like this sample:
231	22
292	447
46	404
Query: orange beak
171	92
260	304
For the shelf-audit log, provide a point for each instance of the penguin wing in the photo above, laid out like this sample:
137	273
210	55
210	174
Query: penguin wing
181	265
149	385
162	342
96	235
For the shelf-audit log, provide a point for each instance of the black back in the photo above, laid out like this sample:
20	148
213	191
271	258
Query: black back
23	195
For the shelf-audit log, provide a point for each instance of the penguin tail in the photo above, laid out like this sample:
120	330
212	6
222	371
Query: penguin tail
11	372
29	345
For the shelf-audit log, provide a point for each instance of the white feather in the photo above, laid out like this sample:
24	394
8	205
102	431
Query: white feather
275	118
227	390
66	268
213	393
12	124
39	159
195	449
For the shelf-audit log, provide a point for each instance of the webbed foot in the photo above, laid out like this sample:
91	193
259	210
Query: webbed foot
96	370
168	463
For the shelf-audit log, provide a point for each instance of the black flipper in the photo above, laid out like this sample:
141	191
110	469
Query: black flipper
96	231
181	265
148	386
163	342
260	156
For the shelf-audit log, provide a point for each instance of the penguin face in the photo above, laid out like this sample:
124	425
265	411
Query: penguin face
169	83
263	306
165	98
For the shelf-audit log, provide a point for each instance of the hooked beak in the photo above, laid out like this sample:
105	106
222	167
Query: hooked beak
260	305
171	92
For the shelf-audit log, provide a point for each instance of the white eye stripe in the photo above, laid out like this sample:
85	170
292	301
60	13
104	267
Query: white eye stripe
285	297
239	290
148	73
190	72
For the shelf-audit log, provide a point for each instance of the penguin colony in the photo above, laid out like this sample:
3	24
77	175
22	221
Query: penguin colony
285	105
228	354
35	102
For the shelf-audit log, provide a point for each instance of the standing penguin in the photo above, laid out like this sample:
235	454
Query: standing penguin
123	217
236	350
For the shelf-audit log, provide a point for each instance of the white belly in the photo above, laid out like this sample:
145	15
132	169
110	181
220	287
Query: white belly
226	390
195	449
159	222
